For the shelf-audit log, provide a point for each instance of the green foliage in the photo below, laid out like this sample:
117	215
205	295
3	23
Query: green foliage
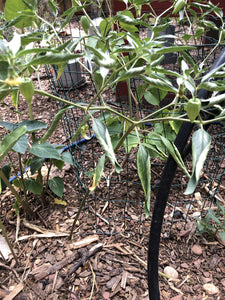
19	58
200	146
6	169
98	173
213	223
103	136
116	53
20	11
10	140
57	186
144	172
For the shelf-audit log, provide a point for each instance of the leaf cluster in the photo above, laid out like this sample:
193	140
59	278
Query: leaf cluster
212	223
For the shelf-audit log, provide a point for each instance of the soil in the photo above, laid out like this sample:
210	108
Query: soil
50	266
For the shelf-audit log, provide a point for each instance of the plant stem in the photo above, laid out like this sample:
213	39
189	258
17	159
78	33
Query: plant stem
22	178
46	185
8	241
30	108
129	98
30	111
78	213
82	107
24	204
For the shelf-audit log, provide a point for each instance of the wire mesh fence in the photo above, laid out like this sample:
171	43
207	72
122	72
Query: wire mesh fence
118	202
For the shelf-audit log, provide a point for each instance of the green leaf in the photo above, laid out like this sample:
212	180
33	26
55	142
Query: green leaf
35	164
53	7
104	72
58	163
4	93
212	86
21	144
105	27
106	62
174	152
211	73
3	47
40	51
55	122
31	126
200	146
159	28
17	182
159	83
98	173
130	142
220	207
33	186
103	137
154	151
14	8
222	235
151	98
4	70
52	59
10	140
6	169
15	97
131	73
144	173
189	58
56	185
29	38
212	216
171	49
98	79
67	157
140	90
213	100
44	150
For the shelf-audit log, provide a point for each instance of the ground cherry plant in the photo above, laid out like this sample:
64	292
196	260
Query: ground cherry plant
115	53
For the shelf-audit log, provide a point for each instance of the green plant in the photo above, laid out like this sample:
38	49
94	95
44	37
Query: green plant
213	223
25	138
115	53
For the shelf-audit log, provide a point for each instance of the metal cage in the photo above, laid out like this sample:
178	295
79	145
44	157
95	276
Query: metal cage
118	202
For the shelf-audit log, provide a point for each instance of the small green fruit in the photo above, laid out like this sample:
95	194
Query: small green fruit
199	31
193	108
27	89
179	5
85	23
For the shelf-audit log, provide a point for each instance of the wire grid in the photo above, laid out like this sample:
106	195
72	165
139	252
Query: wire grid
118	202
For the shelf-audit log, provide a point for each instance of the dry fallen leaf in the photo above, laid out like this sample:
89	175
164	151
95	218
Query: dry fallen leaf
5	251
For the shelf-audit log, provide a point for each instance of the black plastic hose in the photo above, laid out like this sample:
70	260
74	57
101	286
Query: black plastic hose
163	193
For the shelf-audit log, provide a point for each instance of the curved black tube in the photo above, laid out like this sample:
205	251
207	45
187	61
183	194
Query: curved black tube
162	196
159	209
